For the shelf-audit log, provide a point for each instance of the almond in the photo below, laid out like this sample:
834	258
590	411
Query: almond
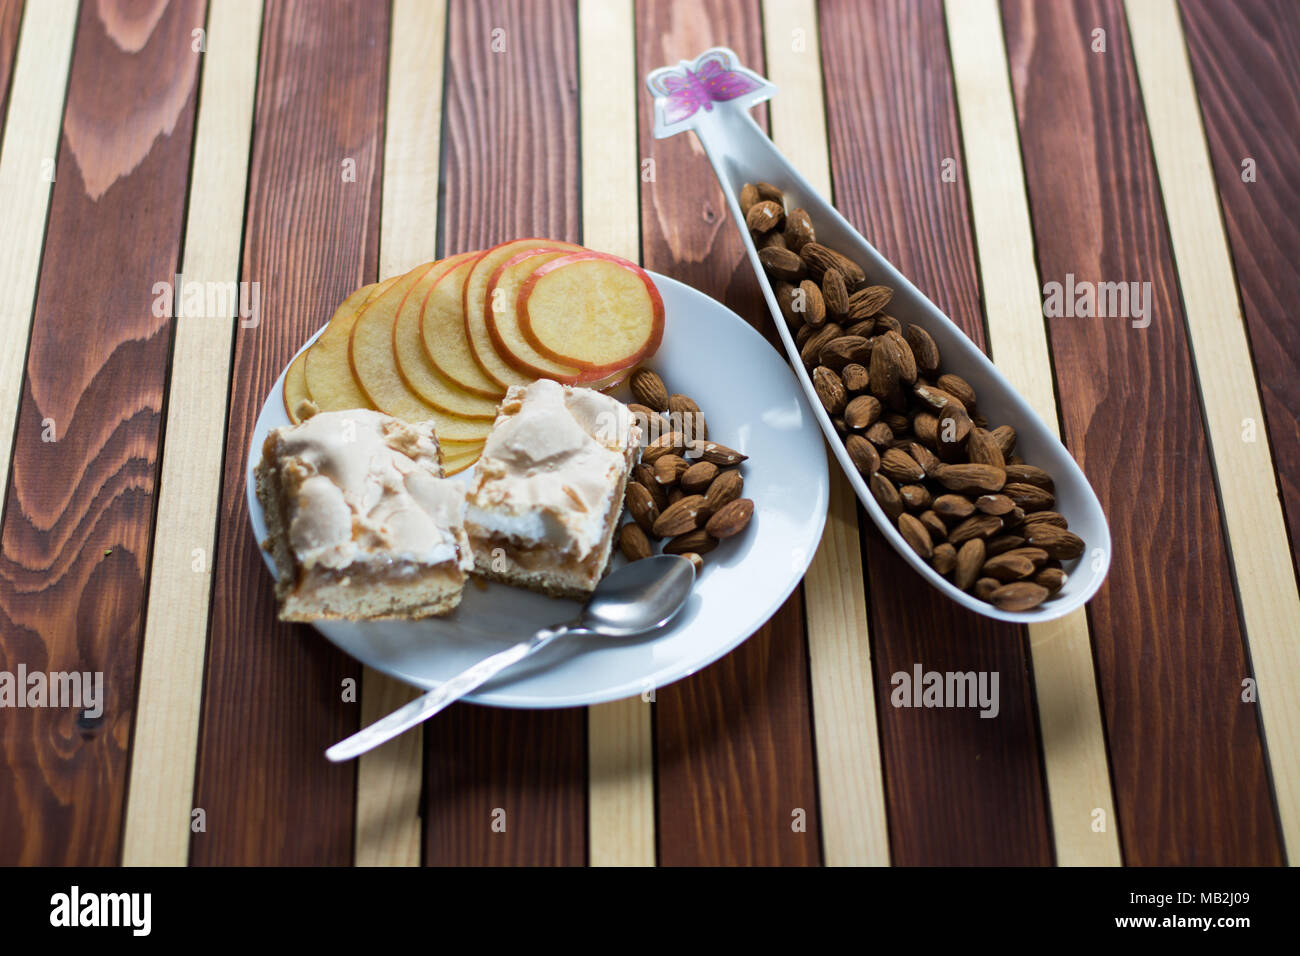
862	412
982	449
956	385
885	370
954	507
697	478
886	495
915	497
934	524
944	557
976	526
1051	517
906	360
681	516
696	561
954	427
867	302
1005	436
724	488
813	305
887	323
1008	567
691	542
866	328
810	350
784	292
970	558
855	377
714	452
985	587
748	196
923	347
649	389
995	504
770	192
1029	475
764	216
798	229
924	457
915	535
863	454
669	443
1051	578
936	398
880	434
669	469
1037	556
1004	543
1057	542
641	506
730	519
1030	497
644	476
820	259
633	542
835	294
772	238
1020	596
830	390
782	263
841	351
966	478
899	466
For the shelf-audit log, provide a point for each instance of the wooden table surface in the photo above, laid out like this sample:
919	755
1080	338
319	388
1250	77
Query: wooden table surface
986	148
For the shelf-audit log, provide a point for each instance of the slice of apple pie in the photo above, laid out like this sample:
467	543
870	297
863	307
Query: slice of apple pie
548	491
361	523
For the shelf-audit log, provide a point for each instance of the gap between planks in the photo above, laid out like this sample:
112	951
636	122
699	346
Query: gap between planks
620	739
849	774
1252	511
30	145
390	778
165	746
1069	715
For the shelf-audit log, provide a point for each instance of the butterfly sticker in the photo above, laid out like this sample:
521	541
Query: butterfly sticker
715	76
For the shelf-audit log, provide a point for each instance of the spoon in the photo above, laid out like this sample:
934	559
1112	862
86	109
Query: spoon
637	598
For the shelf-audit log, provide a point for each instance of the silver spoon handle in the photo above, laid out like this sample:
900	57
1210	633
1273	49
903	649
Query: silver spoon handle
426	705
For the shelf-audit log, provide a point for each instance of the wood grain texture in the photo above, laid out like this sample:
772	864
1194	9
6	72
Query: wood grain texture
734	742
850	781
11	15
1070	727
390	779
1201	805
30	144
74	549
1252	515
273	692
892	123
165	742
510	169
620	734
1246	63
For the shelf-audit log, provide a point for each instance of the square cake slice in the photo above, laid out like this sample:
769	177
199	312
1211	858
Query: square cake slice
362	525
548	491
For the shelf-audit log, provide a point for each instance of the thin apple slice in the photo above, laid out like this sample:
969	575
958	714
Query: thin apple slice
330	381
475	307
592	310
380	287
417	371
443	335
503	325
295	387
457	461
370	351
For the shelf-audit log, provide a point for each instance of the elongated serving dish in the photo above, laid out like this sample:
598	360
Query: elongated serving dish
712	96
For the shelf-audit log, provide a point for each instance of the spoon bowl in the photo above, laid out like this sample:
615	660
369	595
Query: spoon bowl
639	597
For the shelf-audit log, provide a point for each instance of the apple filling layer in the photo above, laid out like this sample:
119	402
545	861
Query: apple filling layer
549	488
361	523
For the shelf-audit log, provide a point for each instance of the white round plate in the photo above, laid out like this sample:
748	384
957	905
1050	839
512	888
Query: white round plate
754	404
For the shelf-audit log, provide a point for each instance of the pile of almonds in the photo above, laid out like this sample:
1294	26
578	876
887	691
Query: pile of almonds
686	489
959	494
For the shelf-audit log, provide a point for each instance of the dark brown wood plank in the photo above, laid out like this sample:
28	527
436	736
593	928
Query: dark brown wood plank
1246	62
734	743
961	789
74	550
510	169
1190	782
273	692
11	15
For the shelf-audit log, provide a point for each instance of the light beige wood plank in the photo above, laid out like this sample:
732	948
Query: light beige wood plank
849	776
27	156
1069	716
620	743
1266	584
388	826
159	799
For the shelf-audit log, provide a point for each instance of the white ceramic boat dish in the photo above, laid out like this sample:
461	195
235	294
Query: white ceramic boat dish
712	95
